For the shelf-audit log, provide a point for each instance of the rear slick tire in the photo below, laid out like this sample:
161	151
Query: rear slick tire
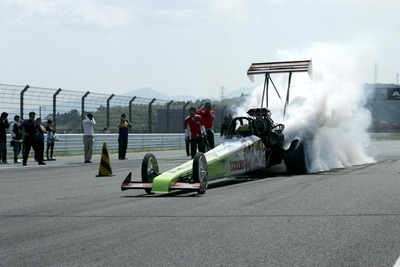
200	172
295	159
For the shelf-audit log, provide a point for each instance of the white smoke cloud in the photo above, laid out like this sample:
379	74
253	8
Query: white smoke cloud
328	111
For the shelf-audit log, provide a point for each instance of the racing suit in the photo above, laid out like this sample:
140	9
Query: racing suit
195	132
208	116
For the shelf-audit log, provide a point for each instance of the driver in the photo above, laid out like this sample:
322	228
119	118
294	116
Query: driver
244	130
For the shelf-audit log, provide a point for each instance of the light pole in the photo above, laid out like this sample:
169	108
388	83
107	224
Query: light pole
40	111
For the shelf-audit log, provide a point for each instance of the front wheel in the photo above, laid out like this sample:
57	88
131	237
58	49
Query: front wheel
149	170
200	172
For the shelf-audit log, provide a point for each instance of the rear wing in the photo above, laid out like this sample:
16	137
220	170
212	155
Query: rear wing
280	67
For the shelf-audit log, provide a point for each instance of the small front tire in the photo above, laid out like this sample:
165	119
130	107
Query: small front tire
149	170
200	172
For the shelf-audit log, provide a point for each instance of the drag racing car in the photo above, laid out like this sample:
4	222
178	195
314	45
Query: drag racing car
252	143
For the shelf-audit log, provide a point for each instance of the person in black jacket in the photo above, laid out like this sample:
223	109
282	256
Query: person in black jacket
30	129
4	125
40	140
225	124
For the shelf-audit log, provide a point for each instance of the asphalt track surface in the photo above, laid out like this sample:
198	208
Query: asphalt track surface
61	214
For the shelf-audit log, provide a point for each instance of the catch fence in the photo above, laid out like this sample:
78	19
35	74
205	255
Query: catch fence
67	109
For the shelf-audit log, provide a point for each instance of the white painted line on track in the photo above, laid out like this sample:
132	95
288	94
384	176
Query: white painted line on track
397	264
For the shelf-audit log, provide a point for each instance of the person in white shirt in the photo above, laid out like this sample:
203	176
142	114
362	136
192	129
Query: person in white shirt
16	138
88	130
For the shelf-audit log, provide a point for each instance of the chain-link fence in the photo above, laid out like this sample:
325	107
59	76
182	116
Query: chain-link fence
67	108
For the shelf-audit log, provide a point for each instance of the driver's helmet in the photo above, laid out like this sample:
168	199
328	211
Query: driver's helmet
244	130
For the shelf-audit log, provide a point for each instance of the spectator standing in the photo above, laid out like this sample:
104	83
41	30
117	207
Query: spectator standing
40	140
16	136
194	132
123	132
4	125
50	131
187	143
29	131
88	140
225	124
208	116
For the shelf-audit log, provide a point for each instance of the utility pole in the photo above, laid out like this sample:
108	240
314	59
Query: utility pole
222	92
376	73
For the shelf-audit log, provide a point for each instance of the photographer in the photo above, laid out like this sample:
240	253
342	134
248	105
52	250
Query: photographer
88	130
123	133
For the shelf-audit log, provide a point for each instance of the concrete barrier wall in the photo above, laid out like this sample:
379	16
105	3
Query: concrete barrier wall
72	143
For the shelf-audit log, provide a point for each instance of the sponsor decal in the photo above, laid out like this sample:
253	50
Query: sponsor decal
238	165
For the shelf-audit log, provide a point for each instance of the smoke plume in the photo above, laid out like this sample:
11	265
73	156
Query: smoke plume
326	111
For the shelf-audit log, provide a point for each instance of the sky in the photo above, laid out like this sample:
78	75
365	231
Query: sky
191	47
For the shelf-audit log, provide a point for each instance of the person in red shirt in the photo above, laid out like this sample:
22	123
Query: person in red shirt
208	116
194	132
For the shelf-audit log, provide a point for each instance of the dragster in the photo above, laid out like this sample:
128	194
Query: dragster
252	143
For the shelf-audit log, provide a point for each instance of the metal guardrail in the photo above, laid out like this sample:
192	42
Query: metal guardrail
72	144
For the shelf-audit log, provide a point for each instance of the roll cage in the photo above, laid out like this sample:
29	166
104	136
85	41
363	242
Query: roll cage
258	123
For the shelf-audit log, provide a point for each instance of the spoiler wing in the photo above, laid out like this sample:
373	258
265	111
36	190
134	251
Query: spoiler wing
279	67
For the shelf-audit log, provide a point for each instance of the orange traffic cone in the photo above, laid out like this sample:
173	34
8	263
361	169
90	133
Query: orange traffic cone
105	166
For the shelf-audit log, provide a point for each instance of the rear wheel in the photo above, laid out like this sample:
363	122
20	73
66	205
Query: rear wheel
295	159
200	172
149	170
